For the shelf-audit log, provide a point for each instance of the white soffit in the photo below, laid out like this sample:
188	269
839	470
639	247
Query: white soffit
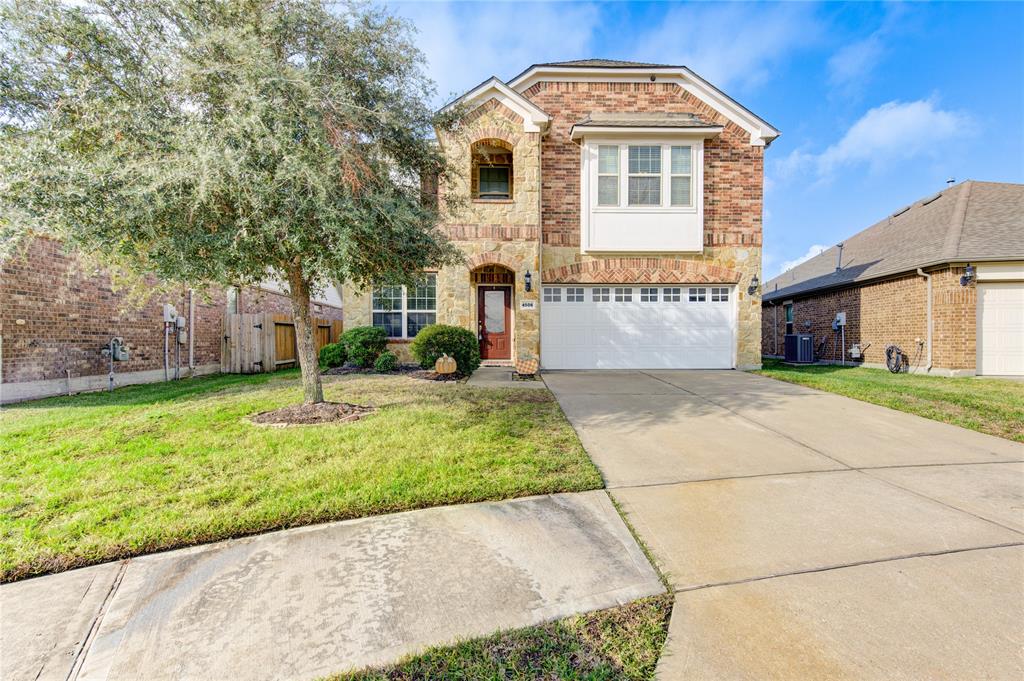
761	132
534	118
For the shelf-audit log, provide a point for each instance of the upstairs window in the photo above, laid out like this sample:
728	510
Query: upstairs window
607	175
491	174
682	176
644	175
494	182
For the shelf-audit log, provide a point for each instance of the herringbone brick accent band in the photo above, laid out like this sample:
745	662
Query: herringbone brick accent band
640	271
492	232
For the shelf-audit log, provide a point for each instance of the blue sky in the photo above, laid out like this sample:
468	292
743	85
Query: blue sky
878	104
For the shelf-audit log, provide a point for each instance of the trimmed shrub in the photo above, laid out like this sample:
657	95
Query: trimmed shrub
363	344
438	339
386	363
332	355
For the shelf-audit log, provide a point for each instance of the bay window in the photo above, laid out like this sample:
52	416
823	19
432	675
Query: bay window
402	311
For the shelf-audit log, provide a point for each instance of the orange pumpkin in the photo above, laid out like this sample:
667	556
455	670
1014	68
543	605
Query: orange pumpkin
445	365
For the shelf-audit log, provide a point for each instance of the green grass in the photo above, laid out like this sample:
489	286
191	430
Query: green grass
621	643
102	476
993	406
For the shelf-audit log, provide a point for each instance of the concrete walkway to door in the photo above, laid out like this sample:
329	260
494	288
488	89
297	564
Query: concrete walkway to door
809	535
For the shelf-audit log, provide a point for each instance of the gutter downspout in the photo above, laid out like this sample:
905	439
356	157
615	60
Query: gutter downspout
191	335
928	279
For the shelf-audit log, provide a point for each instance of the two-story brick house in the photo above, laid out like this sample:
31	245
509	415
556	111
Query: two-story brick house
612	220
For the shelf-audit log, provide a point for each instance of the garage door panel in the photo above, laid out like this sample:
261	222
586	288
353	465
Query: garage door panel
1001	329
637	334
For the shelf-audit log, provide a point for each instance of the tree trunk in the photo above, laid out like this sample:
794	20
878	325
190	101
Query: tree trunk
298	287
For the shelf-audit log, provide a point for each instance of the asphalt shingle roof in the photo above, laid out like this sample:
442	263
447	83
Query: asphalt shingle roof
969	221
607	63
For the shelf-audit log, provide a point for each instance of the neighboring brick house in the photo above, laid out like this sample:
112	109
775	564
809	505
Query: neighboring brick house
629	195
902	281
55	319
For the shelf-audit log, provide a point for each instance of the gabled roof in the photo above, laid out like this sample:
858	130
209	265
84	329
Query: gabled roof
534	118
761	132
969	222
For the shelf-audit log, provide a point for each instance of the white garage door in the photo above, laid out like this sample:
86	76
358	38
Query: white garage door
1001	329
638	327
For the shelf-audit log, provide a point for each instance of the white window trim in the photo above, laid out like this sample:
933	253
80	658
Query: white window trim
588	185
405	309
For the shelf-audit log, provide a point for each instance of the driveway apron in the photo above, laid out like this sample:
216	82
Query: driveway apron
809	535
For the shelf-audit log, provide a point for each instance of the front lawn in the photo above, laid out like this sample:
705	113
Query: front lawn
988	405
610	645
101	476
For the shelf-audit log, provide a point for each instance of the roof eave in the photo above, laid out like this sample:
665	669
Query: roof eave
785	293
761	132
535	119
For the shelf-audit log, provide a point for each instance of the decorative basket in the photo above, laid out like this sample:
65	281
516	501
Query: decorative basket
527	367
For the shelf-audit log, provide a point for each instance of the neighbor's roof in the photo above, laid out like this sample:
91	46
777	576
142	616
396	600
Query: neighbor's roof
969	222
643	120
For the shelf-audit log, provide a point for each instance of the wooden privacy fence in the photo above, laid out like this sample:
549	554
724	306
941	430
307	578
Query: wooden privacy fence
264	341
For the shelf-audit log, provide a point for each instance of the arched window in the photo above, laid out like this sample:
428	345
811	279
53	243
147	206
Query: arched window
492	170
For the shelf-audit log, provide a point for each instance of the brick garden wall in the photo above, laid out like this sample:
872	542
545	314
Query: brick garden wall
56	317
880	313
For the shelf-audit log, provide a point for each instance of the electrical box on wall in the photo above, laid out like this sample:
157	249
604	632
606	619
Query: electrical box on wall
170	314
840	318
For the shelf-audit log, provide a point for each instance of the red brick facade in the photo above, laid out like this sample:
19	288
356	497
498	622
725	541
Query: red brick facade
733	168
55	318
884	312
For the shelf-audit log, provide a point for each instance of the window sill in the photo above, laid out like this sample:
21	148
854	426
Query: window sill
646	209
494	201
400	341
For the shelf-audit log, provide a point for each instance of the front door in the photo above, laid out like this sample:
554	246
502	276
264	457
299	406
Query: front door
494	312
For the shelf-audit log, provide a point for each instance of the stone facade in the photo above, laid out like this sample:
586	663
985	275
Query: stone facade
889	311
538	230
56	316
488	232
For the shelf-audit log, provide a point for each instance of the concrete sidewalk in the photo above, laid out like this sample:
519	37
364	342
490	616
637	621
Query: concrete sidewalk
808	535
303	603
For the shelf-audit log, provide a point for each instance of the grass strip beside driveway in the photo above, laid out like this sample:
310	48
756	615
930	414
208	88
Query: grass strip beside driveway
988	405
609	645
102	476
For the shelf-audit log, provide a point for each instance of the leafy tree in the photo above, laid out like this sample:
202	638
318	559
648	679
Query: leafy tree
223	142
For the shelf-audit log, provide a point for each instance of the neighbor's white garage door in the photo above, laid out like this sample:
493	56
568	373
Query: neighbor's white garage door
1001	329
638	327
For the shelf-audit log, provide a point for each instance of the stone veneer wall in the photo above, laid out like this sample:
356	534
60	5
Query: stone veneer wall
884	312
487	232
733	177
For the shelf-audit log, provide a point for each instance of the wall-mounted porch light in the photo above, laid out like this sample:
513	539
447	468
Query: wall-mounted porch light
968	276
752	289
528	281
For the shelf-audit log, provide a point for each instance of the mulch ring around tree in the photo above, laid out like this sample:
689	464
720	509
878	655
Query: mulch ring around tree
411	371
312	414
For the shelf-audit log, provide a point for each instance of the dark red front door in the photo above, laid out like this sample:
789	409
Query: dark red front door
494	312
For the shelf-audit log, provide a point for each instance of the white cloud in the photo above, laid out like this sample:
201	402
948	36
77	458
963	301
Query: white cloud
730	44
892	132
848	67
811	252
466	43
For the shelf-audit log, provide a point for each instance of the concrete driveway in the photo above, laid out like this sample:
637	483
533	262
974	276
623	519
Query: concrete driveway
809	535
